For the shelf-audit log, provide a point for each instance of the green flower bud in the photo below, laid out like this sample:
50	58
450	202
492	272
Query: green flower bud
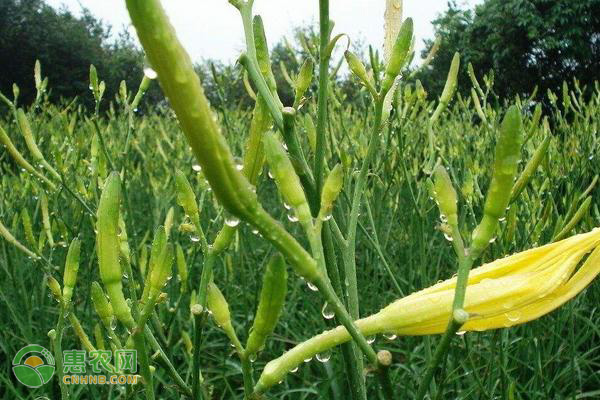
27	227
530	168
161	272
445	195
182	270
71	268
186	197
218	306
54	287
358	69
399	55
508	149
311	132
108	246
93	79
262	54
451	80
270	305
286	178
303	81
331	189
101	305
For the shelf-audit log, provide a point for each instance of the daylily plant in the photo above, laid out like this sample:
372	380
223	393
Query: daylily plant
506	292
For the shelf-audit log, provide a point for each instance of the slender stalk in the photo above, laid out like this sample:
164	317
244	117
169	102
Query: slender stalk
322	95
58	354
199	320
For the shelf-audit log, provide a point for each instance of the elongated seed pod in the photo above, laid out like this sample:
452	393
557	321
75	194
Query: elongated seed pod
270	305
445	195
331	190
186	197
303	81
286	178
108	246
399	55
508	150
30	142
181	85
182	270
101	305
71	268
530	168
20	160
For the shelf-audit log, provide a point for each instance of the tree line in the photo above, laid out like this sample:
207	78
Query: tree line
524	43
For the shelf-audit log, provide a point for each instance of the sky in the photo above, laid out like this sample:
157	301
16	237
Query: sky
212	28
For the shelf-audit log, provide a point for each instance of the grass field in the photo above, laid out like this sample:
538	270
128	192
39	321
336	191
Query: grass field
400	242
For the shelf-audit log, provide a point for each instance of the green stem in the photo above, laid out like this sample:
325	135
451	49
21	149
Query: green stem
199	320
138	339
58	354
253	68
322	96
247	375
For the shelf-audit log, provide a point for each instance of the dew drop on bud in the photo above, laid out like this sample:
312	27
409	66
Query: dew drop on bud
150	73
324	356
196	167
232	222
390	336
312	286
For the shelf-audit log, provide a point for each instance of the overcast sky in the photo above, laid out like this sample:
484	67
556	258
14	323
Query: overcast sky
212	28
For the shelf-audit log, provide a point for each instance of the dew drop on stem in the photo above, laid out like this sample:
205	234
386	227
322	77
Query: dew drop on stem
327	311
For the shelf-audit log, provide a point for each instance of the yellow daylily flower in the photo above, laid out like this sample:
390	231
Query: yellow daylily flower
506	292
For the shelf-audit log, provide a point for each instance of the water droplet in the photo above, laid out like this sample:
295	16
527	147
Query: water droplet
294	369
513	316
270	175
292	218
113	323
307	359
460	333
252	357
370	339
194	238
443	218
255	231
239	167
196	167
312	286
324	356
232	222
448	237
150	73
492	240
390	336
327	311
326	217
287	206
